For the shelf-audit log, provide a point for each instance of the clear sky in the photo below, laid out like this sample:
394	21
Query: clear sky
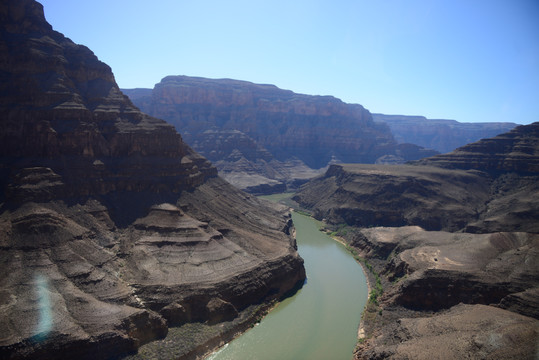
468	60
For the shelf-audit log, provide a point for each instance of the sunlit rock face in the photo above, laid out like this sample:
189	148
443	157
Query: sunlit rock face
111	228
516	151
261	136
438	134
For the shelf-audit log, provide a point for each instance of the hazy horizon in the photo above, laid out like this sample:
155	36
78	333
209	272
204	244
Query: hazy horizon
466	61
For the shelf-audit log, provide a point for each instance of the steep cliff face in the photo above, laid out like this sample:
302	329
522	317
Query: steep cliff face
111	228
514	151
285	123
441	135
293	128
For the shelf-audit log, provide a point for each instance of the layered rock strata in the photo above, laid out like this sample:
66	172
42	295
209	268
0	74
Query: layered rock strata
111	228
396	195
516	151
262	137
453	229
428	276
490	185
441	135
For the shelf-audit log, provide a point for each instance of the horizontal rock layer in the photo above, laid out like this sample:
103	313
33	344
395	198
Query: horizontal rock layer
257	134
431	274
111	228
396	195
479	205
441	135
514	151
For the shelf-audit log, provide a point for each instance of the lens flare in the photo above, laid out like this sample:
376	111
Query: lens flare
44	325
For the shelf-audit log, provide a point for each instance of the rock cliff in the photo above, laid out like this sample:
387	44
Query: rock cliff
396	195
112	229
441	135
286	129
458	228
487	186
516	151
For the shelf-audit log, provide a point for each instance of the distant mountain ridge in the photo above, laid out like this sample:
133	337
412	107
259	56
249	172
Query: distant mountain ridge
308	132
438	134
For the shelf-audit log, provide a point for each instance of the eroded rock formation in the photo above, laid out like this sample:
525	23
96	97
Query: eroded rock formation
111	228
457	228
441	135
262	137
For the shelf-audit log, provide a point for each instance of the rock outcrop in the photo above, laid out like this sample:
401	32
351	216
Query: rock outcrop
487	186
464	331
396	195
274	131
457	228
516	151
441	135
111	228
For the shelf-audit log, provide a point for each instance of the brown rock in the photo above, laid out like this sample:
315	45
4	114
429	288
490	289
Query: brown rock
110	225
465	331
283	128
484	198
438	134
396	195
514	151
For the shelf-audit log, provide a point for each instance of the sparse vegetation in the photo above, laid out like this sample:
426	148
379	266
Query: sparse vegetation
378	289
302	212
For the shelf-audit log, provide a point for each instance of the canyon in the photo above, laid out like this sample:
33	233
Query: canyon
453	247
263	139
439	134
113	231
115	234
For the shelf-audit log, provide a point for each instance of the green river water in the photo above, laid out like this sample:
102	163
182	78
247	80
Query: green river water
319	322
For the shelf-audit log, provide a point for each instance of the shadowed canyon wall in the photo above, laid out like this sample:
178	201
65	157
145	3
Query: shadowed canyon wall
112	229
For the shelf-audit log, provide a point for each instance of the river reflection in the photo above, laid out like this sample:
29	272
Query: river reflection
321	320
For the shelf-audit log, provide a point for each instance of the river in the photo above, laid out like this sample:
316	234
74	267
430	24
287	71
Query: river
321	320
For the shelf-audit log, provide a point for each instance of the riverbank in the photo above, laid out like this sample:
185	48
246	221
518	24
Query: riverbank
198	340
368	276
321	321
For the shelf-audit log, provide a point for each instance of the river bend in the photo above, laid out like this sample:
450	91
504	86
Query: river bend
320	321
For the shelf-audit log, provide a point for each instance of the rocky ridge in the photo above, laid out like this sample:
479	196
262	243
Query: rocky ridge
264	139
112	229
453	245
438	134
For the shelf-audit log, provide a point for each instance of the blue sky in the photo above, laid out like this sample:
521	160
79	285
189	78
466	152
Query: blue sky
468	60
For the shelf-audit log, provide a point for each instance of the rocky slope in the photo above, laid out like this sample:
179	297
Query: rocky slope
112	229
441	135
261	136
457	228
516	151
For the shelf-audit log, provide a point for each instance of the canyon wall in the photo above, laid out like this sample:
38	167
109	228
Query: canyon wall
452	244
112	229
259	134
441	135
